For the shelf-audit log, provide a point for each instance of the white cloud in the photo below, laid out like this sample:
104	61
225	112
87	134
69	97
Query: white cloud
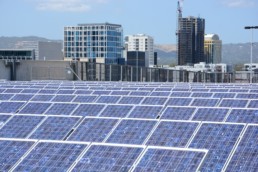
238	3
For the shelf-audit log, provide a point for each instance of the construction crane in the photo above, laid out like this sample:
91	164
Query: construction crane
179	13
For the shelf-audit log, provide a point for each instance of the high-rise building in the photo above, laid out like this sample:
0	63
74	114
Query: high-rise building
141	43
212	48
190	37
94	41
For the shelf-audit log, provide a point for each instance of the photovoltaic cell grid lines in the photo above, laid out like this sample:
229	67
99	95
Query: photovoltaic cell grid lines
253	104
11	152
243	116
42	97
167	160
245	157
22	97
116	111
35	108
210	114
10	107
88	109
51	157
179	101
178	113
63	98
61	109
205	102
108	158
154	100
130	100
108	99
150	112
85	99
238	103
131	131
173	134
219	139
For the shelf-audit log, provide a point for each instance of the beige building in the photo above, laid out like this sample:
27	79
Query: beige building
212	48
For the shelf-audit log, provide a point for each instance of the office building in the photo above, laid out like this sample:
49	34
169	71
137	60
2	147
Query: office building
212	48
88	42
16	54
190	37
141	43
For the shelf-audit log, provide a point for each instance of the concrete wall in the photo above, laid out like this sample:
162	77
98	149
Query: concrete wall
4	71
50	50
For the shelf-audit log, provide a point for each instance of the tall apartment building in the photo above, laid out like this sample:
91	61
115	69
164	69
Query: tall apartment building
190	37
141	43
101	41
212	48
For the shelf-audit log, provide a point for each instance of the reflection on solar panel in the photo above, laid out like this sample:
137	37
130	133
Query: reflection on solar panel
108	99
42	97
246	154
35	108
22	97
178	113
130	100
20	126
11	151
88	109
243	116
219	139
174	134
131	131
145	112
6	96
51	157
61	109
108	158
93	129
154	100
176	101
63	98
253	104
54	128
233	103
205	102
210	114
170	160
224	95
116	111
10	107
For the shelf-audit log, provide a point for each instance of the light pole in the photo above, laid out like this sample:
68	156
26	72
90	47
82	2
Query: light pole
251	56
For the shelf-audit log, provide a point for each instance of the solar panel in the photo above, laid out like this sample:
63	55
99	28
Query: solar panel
11	151
179	101
116	111
30	91
22	97
205	102
35	108
61	109
43	97
243	116
10	107
88	109
2	90
178	113
253	90
81	92
55	128
151	112
102	92
13	90
253	104
172	133
238	90
63	91
233	103
93	129
139	93
6	96
20	126
163	89
219	90
4	118
160	93
47	91
47	156
201	94
219	139
130	100
131	131
63	98
108	158
224	95
247	96
108	99
122	93
154	101
200	90
246	154
85	98
155	159
210	114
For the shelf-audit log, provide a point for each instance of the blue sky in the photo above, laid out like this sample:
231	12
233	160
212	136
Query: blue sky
157	18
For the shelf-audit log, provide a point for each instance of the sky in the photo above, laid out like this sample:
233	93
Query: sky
157	18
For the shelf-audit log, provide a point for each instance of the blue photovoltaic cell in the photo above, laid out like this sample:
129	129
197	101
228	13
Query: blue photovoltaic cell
63	98
51	157
130	88
205	102
238	90
145	112
219	90
122	93
35	108
116	111
10	107
178	113
201	94
4	118
61	109
245	158
13	90
182	101
219	139
20	126
2	90
160	93
54	128
180	89
200	90
233	103
210	114
108	99
101	92
224	95
131	131
247	96
253	91
81	92
154	101
253	104
145	89
108	158
167	160
93	129
30	91
130	100
163	89
48	91
65	91
6	96
139	93
42	97
243	116
22	97
85	98
173	134
11	152
88	109
113	88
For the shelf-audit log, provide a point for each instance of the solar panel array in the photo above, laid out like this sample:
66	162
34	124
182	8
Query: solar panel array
128	126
